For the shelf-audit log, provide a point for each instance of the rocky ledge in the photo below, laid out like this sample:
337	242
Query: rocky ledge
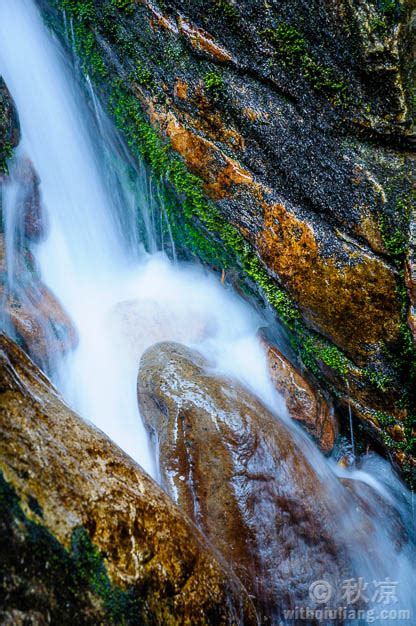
86	535
284	129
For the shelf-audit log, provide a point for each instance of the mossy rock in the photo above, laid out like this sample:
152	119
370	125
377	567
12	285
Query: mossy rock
9	126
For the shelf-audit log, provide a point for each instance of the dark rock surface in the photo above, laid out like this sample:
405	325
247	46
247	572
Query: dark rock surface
9	126
294	122
86	537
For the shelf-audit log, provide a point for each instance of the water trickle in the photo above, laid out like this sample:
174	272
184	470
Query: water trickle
104	261
351	426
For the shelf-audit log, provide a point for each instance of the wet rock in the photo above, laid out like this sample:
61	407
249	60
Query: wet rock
305	404
33	213
9	126
90	537
41	323
411	275
36	316
378	505
28	213
244	477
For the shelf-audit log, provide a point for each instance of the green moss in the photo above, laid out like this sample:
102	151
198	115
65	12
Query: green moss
84	11
126	6
225	8
378	379
142	75
6	152
394	239
389	14
314	349
214	83
123	606
292	50
391	9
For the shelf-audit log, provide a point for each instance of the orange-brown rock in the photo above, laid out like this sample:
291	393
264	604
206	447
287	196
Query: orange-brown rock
361	282
203	41
256	488
219	172
297	253
71	481
305	405
41	322
181	89
38	318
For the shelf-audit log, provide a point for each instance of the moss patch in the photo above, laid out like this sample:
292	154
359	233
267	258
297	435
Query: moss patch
291	49
38	575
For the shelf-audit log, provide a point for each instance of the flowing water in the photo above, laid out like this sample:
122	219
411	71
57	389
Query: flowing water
105	258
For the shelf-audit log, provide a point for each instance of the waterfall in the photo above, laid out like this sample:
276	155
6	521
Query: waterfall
104	221
104	260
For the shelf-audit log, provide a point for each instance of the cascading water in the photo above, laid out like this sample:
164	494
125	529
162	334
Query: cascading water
100	259
90	258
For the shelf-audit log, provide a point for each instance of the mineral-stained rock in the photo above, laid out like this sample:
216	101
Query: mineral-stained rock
87	536
245	478
304	404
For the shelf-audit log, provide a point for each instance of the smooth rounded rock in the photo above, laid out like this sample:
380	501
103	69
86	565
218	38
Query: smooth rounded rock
256	489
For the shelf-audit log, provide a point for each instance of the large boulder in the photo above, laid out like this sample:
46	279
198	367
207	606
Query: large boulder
86	535
258	491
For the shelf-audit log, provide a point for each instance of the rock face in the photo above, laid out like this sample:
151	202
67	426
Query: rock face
9	126
86	535
30	310
244	478
289	126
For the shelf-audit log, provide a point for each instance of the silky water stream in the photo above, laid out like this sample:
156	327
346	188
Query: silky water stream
110	260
